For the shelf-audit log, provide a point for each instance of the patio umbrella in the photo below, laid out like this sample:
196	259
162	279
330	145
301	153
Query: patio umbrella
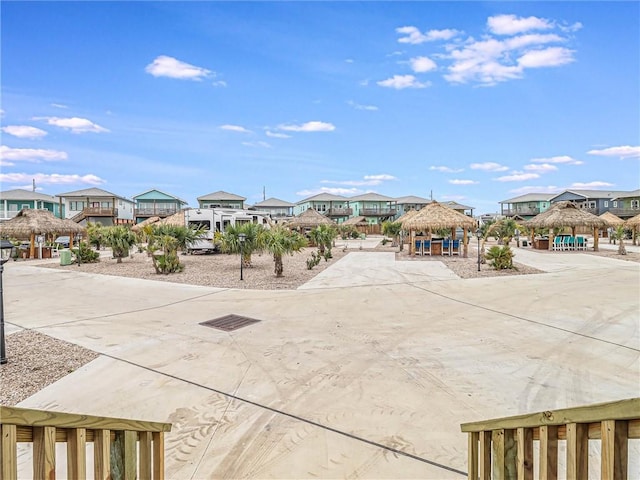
310	218
567	214
31	222
436	216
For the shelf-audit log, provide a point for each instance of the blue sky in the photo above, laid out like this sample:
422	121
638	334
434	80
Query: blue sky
472	101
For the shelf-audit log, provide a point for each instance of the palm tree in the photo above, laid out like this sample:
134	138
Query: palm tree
619	234
95	234
168	239
253	240
279	242
392	229
120	239
322	236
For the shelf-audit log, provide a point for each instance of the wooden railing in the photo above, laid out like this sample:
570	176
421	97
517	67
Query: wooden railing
122	448
504	448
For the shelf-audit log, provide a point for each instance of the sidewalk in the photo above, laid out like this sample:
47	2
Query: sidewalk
334	382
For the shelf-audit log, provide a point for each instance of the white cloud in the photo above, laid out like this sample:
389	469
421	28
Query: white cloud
443	169
463	182
492	60
234	128
24	131
219	83
546	57
276	135
489	167
596	184
538	189
422	64
164	66
259	144
564	159
413	36
510	24
52	179
74	124
368	180
357	106
541	167
625	151
331	190
314	126
59	105
9	155
400	82
517	177
349	60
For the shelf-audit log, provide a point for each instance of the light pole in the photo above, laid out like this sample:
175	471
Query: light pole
479	236
517	232
6	248
241	238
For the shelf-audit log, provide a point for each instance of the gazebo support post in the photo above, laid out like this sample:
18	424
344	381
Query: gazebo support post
552	237
412	244
595	239
465	248
32	246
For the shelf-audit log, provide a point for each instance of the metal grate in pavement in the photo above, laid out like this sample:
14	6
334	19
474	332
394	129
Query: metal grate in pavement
229	323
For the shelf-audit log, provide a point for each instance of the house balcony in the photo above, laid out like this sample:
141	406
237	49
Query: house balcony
625	212
378	212
156	211
339	212
521	211
100	212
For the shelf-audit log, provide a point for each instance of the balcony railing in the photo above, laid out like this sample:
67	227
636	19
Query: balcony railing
625	212
156	211
339	212
122	448
521	211
504	448
378	212
100	212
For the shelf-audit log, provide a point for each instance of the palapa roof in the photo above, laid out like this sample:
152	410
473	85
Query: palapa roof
633	221
309	218
435	216
144	223
612	219
566	214
355	221
38	222
177	220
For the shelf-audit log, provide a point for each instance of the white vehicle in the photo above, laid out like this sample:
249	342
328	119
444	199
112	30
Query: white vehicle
217	220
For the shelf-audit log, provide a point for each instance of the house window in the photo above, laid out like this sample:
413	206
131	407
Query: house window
26	205
76	206
635	204
615	204
606	203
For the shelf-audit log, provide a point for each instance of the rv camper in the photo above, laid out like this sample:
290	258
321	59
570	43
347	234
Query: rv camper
217	220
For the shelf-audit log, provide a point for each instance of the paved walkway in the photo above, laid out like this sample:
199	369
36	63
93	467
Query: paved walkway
346	381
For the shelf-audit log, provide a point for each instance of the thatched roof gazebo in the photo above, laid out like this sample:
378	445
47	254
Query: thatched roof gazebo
177	220
436	216
634	224
31	222
407	215
566	214
310	218
611	219
356	221
138	226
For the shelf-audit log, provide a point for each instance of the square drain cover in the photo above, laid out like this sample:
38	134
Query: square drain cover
229	323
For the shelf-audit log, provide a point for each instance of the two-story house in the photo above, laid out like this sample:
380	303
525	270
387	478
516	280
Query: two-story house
221	199
12	201
335	207
408	203
459	207
593	201
96	205
525	207
276	208
154	203
626	205
375	208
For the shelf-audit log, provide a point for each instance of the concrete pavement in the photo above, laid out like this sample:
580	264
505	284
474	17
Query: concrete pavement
352	381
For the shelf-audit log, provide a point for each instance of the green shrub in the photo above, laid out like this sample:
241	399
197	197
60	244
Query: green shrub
84	254
500	258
